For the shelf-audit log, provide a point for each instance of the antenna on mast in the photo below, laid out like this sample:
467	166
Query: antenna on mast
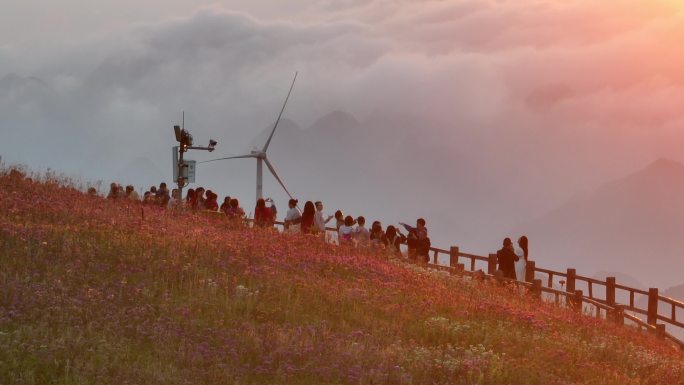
183	122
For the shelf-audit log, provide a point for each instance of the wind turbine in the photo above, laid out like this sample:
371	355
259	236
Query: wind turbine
260	155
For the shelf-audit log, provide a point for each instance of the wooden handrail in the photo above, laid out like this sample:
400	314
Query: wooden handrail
632	289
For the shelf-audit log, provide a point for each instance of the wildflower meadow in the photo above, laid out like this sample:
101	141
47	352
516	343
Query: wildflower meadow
94	291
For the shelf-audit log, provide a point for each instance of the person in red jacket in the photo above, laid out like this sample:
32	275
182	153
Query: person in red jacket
263	216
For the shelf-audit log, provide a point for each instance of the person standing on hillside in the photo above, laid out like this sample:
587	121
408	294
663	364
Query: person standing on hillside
225	206
506	258
308	218
162	195
199	199
377	236
346	231
339	219
235	212
263	216
190	199
394	239
211	203
113	191
522	252
131	194
418	241
361	233
293	215
272	207
319	220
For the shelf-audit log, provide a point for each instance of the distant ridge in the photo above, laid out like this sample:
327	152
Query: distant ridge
634	222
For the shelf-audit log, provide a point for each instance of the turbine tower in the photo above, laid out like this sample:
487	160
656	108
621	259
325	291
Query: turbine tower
260	155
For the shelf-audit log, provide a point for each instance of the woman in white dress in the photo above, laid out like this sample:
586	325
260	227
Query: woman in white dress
521	251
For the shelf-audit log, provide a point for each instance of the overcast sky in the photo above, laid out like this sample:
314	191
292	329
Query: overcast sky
555	97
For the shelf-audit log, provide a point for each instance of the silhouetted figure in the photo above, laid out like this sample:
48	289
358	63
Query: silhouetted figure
263	216
308	218
522	252
361	233
272	206
293	216
506	258
176	201
113	191
131	194
320	221
418	241
225	206
148	198
339	219
191	199
394	238
163	196
152	199
377	236
211	203
346	231
199	199
235	212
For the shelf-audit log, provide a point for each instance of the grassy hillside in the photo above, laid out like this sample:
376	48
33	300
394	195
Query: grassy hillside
92	292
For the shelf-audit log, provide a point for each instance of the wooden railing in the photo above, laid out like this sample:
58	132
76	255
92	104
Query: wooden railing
571	281
607	307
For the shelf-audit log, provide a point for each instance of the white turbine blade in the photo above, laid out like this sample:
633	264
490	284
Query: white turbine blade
230	157
270	167
268	142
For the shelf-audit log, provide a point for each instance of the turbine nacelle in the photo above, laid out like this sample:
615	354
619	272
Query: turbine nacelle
258	154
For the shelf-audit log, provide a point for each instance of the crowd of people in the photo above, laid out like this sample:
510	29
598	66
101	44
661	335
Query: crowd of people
310	220
349	230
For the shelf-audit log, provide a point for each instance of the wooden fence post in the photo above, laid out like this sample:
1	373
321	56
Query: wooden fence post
529	271
570	281
460	268
537	288
453	256
491	264
435	258
620	320
610	291
652	306
577	301
660	331
616	315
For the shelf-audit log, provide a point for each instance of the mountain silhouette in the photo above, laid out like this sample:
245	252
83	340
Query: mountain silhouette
633	224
